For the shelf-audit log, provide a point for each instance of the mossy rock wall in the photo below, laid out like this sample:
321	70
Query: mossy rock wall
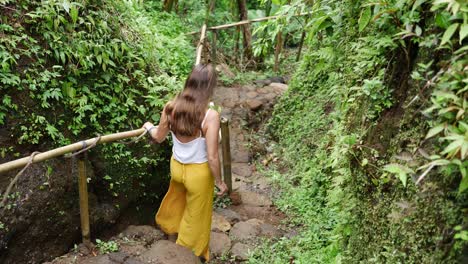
354	107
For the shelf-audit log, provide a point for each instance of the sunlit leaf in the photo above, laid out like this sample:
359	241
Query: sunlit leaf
364	18
438	162
448	33
453	147
400	170
463	184
418	3
463	32
66	6
74	14
435	130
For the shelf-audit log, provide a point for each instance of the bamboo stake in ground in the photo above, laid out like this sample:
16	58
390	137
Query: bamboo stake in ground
279	46
225	144
69	148
83	192
200	45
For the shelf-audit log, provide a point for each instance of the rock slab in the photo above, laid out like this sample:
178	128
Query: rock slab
254	199
146	233
219	243
245	231
231	216
219	223
254	104
166	252
241	251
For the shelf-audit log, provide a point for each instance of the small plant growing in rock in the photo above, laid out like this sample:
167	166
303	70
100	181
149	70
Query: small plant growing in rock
107	247
222	202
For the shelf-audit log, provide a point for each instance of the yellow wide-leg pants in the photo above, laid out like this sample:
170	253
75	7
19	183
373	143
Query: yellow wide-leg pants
187	207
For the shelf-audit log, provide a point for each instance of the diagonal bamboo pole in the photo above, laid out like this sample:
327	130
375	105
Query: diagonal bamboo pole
69	148
243	22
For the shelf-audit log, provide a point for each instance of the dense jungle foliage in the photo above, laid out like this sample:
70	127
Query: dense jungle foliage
72	70
372	135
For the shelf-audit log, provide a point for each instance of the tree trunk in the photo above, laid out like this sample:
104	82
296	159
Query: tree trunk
301	43
268	8
176	6
246	34
168	5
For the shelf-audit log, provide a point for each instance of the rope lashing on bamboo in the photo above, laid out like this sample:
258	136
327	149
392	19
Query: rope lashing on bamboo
85	147
15	179
134	140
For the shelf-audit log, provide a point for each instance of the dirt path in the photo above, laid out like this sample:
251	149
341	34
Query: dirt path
238	227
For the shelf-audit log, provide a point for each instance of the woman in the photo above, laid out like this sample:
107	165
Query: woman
187	207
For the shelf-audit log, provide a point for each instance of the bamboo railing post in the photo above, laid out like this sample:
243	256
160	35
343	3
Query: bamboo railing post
226	147
83	192
200	45
279	46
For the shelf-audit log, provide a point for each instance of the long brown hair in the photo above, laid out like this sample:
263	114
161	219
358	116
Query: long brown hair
187	111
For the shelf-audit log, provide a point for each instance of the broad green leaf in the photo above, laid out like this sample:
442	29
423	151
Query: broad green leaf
439	162
442	20
461	50
464	149
463	126
418	31
364	18
403	178
435	130
448	33
417	4
439	2
74	14
453	147
463	185
400	170
463	32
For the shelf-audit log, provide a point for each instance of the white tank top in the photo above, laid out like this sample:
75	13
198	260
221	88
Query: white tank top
193	151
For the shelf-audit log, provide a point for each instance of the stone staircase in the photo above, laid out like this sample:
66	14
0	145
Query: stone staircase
236	229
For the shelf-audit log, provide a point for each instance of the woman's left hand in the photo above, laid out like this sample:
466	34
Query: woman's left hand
223	189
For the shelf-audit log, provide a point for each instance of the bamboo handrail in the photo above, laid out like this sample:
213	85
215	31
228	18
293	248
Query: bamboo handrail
69	148
243	22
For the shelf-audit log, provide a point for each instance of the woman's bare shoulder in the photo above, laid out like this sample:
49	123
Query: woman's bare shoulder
212	120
